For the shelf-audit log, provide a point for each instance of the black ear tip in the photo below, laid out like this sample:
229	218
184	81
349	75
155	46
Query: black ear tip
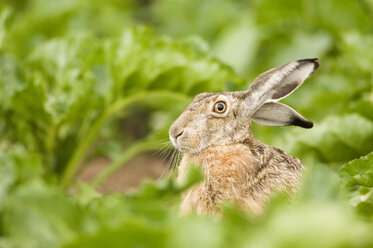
316	65
302	123
311	60
308	124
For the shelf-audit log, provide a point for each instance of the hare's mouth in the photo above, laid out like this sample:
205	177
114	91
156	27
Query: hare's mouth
180	146
185	147
186	140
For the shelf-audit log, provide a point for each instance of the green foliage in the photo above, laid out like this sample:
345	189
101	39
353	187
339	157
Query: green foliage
337	139
357	176
71	71
38	214
109	76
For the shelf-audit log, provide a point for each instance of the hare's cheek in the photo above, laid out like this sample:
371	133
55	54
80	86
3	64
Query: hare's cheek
189	142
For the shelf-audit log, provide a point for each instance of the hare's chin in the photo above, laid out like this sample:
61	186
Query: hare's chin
190	150
183	149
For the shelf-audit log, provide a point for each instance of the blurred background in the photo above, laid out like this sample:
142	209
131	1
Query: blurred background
88	90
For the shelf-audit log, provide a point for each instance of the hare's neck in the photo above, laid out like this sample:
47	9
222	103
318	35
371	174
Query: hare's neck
216	157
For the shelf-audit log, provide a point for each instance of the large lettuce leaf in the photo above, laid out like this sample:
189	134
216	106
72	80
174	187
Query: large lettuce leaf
335	140
357	177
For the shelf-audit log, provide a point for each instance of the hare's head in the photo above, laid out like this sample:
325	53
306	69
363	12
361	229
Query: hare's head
224	118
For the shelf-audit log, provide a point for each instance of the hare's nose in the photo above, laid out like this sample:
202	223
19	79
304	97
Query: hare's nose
179	134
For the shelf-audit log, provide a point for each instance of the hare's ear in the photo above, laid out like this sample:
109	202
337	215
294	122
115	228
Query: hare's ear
277	83
278	114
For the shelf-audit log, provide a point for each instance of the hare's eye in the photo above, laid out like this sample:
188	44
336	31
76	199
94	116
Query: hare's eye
220	107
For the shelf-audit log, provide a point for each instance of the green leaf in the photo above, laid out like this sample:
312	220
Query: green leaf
131	234
357	176
365	106
38	216
337	139
12	79
358	172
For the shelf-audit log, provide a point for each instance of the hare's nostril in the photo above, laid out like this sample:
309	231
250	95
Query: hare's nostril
179	134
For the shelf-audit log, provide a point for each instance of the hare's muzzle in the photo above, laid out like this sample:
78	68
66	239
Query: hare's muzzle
179	134
175	133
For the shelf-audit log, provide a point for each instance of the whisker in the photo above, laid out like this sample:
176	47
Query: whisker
166	154
174	166
164	147
172	153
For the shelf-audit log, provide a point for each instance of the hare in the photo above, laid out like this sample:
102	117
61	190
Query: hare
214	132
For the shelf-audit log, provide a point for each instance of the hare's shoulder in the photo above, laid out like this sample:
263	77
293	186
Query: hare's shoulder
250	161
269	155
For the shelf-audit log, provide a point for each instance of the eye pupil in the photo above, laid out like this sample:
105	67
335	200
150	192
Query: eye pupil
220	107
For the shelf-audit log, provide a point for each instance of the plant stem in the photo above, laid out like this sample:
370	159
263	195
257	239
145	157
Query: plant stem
93	132
134	150
50	143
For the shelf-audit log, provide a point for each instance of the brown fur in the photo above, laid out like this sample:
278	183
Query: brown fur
245	174
237	167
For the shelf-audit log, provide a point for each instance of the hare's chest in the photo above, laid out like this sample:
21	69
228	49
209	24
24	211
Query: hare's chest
223	167
225	178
